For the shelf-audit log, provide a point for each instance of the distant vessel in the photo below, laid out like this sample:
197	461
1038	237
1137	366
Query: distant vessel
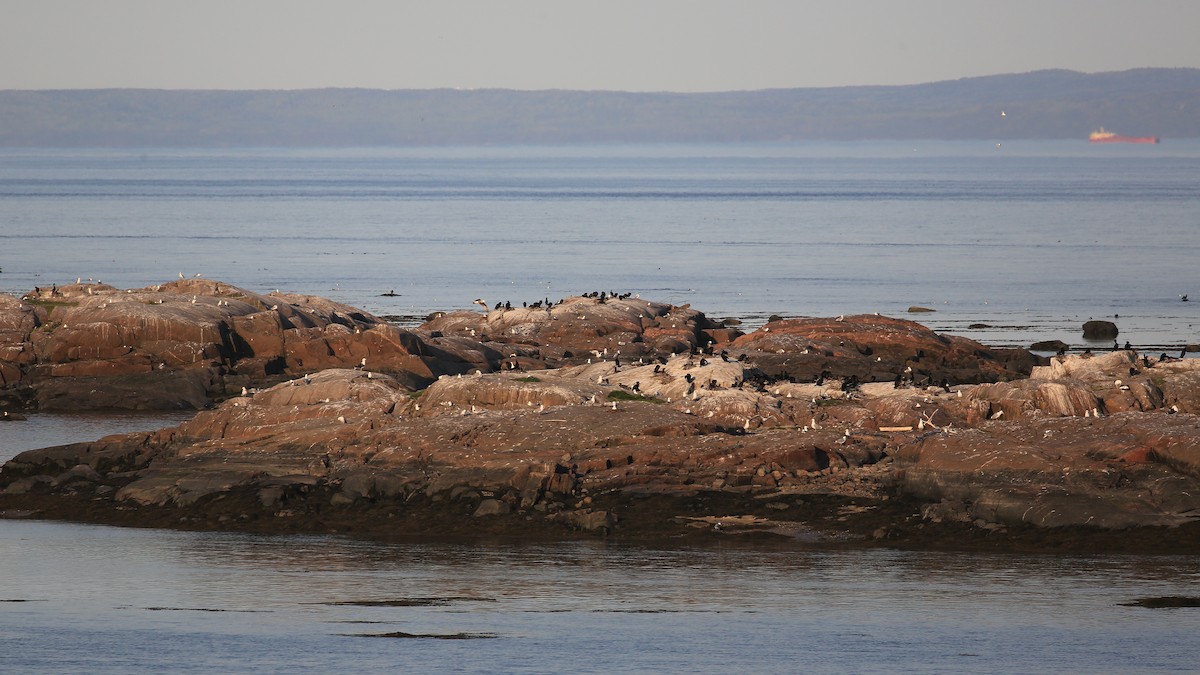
1102	136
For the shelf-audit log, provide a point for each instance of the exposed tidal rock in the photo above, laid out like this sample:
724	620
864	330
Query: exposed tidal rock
872	348
1113	472
1086	440
1049	346
342	438
578	328
183	343
593	414
1099	330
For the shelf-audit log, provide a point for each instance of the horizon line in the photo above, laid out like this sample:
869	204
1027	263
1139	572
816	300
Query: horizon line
600	91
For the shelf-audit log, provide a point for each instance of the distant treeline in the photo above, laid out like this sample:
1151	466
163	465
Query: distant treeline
1045	104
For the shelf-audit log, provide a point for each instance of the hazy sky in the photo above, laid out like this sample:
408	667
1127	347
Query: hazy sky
634	45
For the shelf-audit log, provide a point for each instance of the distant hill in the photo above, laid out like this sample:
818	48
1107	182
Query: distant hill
1045	104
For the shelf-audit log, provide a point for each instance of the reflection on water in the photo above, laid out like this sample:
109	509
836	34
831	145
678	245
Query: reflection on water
42	430
78	598
200	601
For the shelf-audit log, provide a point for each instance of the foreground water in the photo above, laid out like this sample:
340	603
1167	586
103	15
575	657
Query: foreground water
98	599
1031	239
42	430
81	598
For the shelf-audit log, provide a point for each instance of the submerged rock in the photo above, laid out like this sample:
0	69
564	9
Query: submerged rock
1049	346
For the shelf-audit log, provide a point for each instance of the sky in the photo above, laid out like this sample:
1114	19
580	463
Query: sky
624	45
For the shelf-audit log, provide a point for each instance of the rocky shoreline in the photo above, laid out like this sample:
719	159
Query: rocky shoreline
595	415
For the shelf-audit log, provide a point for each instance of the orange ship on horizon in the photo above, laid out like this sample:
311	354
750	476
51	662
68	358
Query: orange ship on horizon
1102	136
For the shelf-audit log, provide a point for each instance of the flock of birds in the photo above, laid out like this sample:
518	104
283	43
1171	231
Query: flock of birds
600	296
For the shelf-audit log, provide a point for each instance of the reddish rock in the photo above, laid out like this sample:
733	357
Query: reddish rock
1065	471
609	415
578	328
90	346
872	348
355	432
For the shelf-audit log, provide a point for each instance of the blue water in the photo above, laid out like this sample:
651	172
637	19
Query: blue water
109	600
80	598
1032	238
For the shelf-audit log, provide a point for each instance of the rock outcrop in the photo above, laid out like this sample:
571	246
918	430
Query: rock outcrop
872	348
577	329
1099	330
182	344
587	415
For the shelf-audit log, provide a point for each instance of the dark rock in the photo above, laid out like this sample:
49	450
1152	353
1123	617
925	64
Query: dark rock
1049	346
492	507
587	519
1099	330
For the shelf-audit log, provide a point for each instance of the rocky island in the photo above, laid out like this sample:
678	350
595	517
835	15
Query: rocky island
596	415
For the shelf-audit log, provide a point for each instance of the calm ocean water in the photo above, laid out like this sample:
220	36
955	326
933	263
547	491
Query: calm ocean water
108	600
90	599
1032	238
